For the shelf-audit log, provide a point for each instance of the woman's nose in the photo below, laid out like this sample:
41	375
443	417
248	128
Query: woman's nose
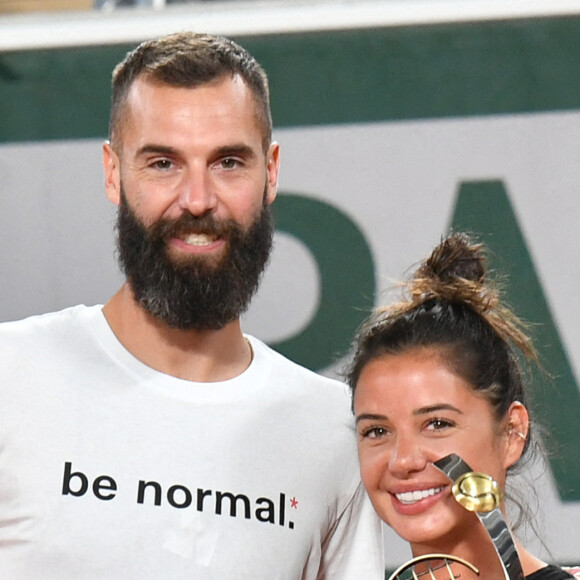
407	457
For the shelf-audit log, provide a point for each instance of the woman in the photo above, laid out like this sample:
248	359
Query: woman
434	375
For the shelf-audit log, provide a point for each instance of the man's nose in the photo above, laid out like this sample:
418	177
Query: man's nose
197	195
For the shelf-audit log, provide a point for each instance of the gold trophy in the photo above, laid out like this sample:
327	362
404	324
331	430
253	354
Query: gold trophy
479	493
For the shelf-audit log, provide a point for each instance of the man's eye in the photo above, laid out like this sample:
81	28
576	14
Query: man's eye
163	164
229	163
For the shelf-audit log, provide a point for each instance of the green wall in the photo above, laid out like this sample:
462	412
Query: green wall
395	73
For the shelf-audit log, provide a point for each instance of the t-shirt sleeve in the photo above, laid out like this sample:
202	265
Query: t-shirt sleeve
353	548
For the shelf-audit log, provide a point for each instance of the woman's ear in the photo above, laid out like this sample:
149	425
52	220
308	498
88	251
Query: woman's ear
517	432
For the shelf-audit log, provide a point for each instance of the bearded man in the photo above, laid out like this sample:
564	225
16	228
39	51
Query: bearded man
149	437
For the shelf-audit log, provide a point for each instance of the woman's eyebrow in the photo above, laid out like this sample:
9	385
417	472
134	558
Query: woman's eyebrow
370	417
437	407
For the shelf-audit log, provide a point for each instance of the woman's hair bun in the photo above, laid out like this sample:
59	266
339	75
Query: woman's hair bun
454	278
456	271
455	257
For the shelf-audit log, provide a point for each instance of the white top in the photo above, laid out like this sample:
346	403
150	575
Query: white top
110	469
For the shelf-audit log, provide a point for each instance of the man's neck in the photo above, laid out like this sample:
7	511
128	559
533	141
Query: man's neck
201	356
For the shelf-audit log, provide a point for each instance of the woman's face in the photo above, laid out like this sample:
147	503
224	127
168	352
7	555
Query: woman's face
411	410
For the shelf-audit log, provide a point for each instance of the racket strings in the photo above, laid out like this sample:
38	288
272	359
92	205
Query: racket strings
429	566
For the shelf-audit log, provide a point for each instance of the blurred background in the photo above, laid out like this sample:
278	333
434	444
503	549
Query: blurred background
13	6
397	119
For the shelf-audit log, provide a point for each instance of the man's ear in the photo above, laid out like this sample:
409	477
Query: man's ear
112	174
272	170
517	432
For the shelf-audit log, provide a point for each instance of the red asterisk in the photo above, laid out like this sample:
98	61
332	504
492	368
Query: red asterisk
294	503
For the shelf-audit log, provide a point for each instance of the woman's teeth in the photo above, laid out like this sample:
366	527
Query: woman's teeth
415	496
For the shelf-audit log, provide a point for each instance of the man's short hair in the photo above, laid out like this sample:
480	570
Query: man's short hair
188	60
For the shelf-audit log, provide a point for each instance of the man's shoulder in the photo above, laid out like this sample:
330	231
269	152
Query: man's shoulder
296	381
291	368
44	325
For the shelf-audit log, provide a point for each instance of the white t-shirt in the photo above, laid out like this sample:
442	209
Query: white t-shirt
110	469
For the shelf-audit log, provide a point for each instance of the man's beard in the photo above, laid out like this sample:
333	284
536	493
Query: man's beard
194	292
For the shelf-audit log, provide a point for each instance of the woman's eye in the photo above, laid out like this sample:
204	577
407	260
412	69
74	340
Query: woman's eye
439	424
374	432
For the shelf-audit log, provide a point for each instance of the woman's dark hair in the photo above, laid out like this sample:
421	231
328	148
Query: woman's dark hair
451	307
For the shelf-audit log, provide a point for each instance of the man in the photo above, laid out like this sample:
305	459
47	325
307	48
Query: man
150	438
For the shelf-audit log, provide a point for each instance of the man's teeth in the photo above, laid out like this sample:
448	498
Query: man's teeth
199	240
414	496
